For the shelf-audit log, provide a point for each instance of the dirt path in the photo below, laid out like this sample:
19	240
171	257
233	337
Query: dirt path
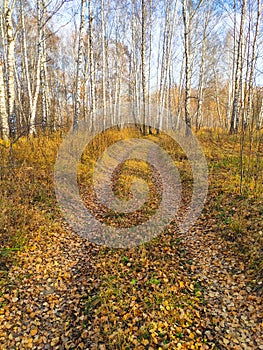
42	303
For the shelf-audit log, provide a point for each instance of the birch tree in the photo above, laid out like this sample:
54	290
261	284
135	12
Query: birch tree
10	70
200	97
3	108
143	64
188	13
168	35
134	67
91	64
238	72
187	30
253	61
77	109
104	60
43	71
32	122
24	45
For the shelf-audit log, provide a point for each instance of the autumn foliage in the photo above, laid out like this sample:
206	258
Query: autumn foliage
59	290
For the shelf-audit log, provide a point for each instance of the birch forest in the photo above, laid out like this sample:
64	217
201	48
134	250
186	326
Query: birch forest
131	174
62	60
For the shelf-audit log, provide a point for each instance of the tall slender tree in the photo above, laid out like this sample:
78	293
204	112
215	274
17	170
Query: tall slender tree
3	108
77	109
188	12
238	72
104	60
10	70
91	64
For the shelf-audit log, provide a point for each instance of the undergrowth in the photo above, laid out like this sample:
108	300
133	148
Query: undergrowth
27	199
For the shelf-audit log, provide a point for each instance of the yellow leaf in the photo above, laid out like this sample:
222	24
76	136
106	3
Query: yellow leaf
154	327
191	336
181	284
125	317
29	343
155	340
197	313
33	331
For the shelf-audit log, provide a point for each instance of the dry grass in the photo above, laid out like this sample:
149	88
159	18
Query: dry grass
27	198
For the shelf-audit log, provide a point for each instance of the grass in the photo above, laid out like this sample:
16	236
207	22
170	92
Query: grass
27	195
27	199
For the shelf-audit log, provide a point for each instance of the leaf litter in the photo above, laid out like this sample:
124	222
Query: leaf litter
175	292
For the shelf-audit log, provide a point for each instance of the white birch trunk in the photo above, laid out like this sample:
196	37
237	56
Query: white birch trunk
187	30
180	97
253	62
32	124
238	72
91	66
143	65
217	99
163	65
169	47
3	108
134	76
25	57
104	63
260	116
10	73
149	67
77	109
201	72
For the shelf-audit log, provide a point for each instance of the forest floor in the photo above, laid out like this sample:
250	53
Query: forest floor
198	290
